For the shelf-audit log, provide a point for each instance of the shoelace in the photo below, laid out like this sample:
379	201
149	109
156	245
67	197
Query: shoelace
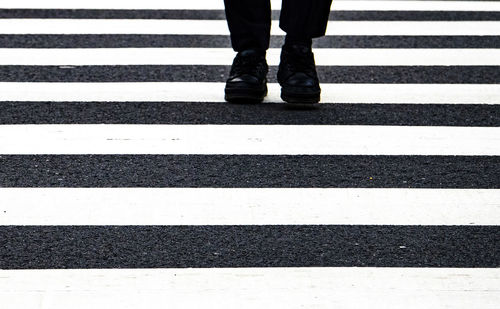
300	62
247	65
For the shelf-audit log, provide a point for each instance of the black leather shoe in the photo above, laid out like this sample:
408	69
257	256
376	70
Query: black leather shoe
247	79
297	75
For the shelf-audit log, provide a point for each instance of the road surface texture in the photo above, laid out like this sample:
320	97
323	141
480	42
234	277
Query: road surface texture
126	181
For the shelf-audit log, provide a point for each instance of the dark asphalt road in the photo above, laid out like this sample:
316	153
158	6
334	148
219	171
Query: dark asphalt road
248	246
208	41
477	115
217	73
35	247
250	171
220	15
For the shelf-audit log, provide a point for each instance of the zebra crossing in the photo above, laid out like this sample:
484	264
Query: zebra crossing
127	182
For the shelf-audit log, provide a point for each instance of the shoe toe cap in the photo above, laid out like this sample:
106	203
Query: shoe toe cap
244	79
301	80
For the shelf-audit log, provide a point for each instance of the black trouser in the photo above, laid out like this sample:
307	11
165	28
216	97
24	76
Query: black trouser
250	21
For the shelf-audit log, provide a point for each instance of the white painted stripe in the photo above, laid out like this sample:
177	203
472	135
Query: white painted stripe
371	5
224	56
113	4
212	206
248	139
337	5
219	27
214	92
342	287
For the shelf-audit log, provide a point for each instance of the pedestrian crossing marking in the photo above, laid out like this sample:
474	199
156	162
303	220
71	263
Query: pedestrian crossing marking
396	211
248	139
219	27
212	92
252	288
224	56
337	5
247	206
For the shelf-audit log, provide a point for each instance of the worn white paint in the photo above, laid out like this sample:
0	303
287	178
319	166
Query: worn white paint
248	139
338	5
224	56
408	5
214	92
248	206
351	288
219	27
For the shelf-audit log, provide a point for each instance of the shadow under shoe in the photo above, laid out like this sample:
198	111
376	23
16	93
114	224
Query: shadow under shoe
247	82
297	75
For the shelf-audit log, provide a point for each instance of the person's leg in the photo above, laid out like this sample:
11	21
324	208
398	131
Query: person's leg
249	23
305	19
302	21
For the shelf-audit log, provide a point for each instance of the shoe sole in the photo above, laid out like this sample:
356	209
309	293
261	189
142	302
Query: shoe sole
245	95
295	97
